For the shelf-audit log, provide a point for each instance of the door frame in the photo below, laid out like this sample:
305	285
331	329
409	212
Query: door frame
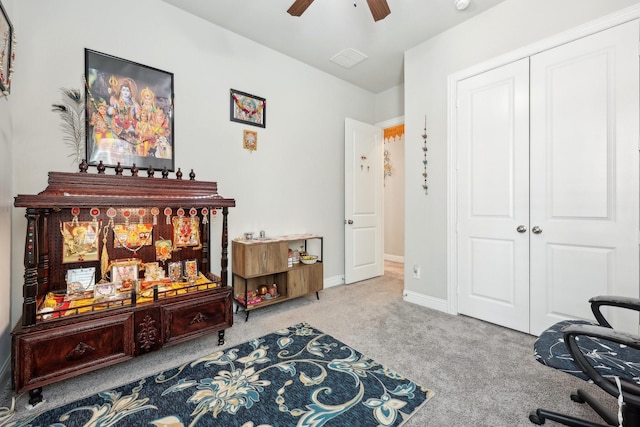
625	15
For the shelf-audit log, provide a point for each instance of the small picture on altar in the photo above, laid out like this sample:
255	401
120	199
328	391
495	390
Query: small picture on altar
81	281
132	236
163	250
124	274
191	269
186	231
80	241
104	291
153	271
175	271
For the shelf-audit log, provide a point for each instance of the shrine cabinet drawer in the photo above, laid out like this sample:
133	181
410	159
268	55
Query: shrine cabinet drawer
189	318
56	353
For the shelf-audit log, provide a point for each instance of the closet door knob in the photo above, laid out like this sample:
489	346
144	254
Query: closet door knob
521	229
536	230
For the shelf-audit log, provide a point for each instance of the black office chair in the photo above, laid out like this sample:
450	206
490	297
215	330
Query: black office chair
597	353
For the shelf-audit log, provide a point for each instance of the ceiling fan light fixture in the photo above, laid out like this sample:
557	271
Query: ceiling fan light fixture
462	4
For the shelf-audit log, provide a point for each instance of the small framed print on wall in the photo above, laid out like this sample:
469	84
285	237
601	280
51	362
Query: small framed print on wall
248	109
250	140
7	52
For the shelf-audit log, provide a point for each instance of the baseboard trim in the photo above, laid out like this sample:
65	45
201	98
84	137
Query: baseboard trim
394	258
330	282
426	301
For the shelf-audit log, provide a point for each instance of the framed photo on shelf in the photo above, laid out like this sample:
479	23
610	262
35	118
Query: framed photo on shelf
81	281
104	291
7	53
129	113
190	269
124	274
175	271
248	109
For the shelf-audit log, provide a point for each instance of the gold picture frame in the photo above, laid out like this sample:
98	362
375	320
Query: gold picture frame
80	241
250	140
186	231
125	274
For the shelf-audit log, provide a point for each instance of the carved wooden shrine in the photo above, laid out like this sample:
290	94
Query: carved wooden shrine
97	222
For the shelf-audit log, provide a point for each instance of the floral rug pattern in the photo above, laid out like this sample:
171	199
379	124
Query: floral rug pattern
298	376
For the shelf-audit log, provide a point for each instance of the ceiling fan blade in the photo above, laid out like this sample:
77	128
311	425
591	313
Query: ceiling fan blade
379	9
298	7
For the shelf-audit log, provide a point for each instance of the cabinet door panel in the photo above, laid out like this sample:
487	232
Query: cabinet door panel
256	259
304	279
56	353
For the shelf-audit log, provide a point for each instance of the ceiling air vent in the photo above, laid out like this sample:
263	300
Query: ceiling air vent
349	58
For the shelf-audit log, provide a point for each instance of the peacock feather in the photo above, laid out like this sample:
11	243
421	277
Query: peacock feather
72	112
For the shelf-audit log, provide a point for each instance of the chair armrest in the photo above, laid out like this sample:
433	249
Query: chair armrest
631	390
612	301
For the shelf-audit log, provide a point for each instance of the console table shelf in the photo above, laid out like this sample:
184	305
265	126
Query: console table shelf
259	264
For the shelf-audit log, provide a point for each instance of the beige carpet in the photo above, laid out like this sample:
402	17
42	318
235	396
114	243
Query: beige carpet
481	374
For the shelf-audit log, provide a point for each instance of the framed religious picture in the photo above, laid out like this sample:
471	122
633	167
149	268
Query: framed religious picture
175	271
124	274
7	52
186	231
132	237
81	282
79	241
163	250
250	140
129	113
248	109
190	269
104	291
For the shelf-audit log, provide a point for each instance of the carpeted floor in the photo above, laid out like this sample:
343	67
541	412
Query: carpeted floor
481	374
294	376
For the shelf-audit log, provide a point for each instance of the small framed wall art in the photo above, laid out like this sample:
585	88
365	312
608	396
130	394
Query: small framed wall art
129	113
248	109
250	140
7	52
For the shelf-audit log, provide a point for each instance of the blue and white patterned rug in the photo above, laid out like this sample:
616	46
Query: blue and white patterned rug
298	376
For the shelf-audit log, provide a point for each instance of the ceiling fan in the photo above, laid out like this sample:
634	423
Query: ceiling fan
379	8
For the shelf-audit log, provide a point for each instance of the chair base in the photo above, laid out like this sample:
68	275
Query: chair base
630	414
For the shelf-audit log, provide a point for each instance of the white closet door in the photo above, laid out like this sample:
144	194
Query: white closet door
493	196
584	176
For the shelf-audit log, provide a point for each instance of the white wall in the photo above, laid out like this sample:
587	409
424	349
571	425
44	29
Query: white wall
390	103
292	183
502	29
6	203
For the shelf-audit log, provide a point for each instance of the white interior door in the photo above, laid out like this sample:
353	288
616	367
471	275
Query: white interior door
363	165
584	176
493	196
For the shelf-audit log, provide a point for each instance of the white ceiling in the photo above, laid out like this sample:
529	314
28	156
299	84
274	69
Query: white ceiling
330	26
